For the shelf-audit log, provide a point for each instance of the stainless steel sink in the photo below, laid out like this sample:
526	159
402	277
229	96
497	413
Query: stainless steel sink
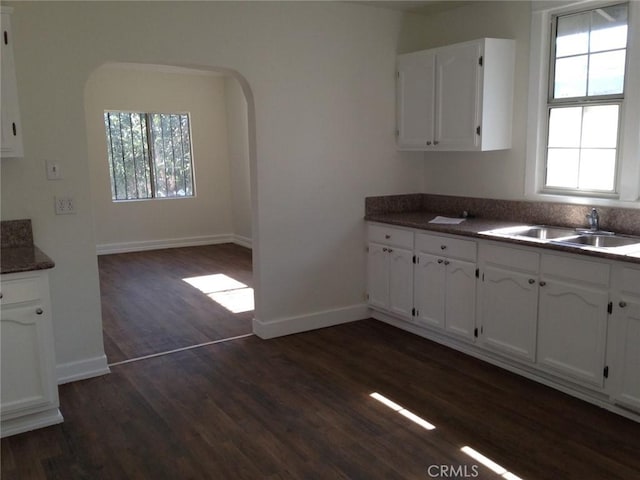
534	232
543	232
570	237
602	241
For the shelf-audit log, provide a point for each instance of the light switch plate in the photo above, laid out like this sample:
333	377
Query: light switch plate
53	170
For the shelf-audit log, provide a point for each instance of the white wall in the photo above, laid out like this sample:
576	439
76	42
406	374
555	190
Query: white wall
238	141
322	89
495	174
139	224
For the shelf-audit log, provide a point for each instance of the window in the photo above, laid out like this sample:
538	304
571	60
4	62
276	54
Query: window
149	155
583	136
586	94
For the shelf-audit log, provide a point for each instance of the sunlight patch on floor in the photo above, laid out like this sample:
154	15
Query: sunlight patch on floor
236	301
403	411
231	294
477	456
490	464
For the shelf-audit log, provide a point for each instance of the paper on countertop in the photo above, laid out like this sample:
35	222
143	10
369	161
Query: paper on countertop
447	220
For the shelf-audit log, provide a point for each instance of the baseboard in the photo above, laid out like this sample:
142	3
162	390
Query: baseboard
243	241
312	321
529	371
30	422
126	247
82	369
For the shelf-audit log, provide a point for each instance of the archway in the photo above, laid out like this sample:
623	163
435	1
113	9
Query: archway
146	228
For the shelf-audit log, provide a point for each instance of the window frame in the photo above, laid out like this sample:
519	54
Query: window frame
150	149
627	181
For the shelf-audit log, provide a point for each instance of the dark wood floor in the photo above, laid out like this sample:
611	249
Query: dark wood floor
147	307
299	407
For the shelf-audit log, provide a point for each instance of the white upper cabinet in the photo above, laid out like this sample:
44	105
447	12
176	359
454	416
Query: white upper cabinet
456	98
11	145
416	99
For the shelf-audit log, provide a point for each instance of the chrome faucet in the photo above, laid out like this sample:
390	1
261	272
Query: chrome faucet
594	220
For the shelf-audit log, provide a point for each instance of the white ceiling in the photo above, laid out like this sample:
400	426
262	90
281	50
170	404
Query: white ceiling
423	7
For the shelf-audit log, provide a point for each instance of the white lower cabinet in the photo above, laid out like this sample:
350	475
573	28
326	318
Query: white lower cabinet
624	338
508	300
400	273
460	300
564	319
445	283
429	290
390	270
377	275
29	393
545	308
572	318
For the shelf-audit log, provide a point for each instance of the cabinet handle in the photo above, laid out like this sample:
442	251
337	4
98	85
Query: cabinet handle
15	131
1	295
390	250
429	142
384	249
447	262
443	247
387	236
440	260
435	142
39	311
543	283
532	281
622	304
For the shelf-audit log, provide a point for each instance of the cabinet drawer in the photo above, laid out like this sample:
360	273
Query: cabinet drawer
446	246
21	290
582	271
391	236
627	280
512	258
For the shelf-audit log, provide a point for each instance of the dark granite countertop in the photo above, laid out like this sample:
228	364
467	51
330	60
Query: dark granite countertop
17	251
473	227
23	259
470	227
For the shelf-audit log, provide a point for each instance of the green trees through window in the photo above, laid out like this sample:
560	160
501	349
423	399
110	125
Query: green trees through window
149	155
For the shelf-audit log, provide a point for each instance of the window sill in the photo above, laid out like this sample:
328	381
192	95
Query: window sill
596	201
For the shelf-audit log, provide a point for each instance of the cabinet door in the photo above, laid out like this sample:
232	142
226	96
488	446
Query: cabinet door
429	290
509	311
625	371
572	327
460	297
378	276
400	281
415	99
27	372
458	97
11	142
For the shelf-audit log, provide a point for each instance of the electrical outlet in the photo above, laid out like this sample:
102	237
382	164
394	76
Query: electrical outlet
65	205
